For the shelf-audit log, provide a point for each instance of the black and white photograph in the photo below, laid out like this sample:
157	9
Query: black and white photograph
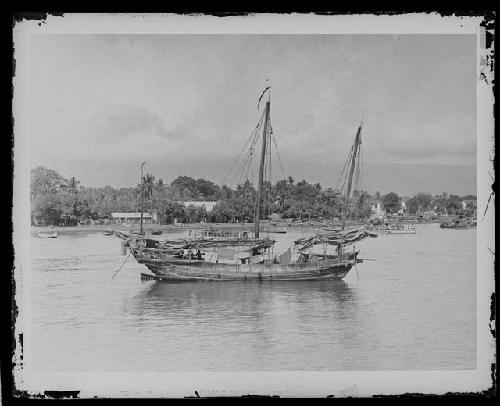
290	205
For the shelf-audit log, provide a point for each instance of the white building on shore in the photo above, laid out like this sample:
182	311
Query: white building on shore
131	218
377	209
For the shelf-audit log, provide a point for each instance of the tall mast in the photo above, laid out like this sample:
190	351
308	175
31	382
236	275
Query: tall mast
261	169
142	194
357	141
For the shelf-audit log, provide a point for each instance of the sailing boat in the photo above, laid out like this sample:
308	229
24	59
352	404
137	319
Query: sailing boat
352	166
342	237
225	259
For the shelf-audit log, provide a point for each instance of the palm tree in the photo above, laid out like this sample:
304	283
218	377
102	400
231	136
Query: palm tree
73	185
73	190
147	189
148	186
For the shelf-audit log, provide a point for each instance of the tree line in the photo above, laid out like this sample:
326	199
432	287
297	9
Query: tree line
59	201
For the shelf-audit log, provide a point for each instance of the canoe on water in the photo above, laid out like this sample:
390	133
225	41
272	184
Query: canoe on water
41	234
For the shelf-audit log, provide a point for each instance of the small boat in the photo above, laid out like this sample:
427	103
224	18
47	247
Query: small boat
402	229
458	223
275	230
42	234
220	232
118	233
379	230
395	228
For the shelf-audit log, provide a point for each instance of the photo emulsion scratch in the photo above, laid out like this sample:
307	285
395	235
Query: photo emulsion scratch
280	205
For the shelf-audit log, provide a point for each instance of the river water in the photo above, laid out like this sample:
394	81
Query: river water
413	307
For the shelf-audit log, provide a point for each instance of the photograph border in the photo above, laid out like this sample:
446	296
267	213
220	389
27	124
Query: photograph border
282	384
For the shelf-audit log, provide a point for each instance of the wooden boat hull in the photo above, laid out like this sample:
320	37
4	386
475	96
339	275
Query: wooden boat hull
402	232
195	270
47	235
275	230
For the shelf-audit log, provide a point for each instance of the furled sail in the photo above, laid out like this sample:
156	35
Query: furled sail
342	237
205	243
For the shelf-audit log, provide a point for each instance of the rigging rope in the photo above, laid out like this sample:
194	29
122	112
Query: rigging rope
344	168
278	154
239	172
239	165
118	270
251	163
239	155
242	171
349	159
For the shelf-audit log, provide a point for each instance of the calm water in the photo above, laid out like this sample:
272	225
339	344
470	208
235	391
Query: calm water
414	308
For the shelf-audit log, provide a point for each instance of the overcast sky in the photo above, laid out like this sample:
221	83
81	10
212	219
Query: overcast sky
99	105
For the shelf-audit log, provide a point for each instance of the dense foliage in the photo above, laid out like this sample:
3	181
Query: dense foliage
421	202
56	200
391	202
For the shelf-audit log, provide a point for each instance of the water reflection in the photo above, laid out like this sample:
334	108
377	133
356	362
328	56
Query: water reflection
246	297
255	326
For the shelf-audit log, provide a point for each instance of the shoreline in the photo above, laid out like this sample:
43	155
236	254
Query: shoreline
170	228
148	228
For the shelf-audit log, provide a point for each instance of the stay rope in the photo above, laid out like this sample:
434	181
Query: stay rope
119	269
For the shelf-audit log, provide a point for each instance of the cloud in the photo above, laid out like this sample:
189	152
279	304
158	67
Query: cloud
189	99
434	152
124	121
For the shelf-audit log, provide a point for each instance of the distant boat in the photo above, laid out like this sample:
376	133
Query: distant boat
275	229
379	229
458	223
395	228
42	234
221	232
402	229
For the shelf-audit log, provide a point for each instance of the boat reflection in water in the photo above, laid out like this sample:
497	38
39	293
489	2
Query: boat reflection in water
180	292
252	326
235	302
